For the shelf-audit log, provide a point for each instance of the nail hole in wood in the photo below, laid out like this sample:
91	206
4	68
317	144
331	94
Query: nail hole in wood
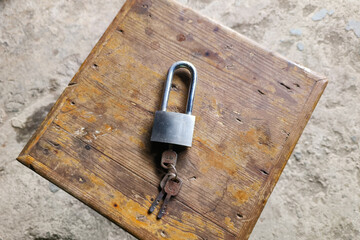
285	132
54	144
174	87
87	147
230	67
284	85
239	216
72	103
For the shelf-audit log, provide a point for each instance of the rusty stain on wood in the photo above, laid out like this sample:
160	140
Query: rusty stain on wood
251	107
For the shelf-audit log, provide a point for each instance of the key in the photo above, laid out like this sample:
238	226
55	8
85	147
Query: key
165	178
168	158
162	192
171	189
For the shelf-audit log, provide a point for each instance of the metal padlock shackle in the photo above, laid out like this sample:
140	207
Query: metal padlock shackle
192	86
173	127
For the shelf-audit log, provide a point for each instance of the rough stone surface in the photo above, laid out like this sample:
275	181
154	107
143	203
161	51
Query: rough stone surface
300	46
319	15
355	26
53	188
296	32
42	44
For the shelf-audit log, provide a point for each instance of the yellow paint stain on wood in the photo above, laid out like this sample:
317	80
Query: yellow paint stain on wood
88	116
137	141
219	193
81	94
261	140
240	196
107	127
68	106
119	118
216	160
255	186
229	223
224	163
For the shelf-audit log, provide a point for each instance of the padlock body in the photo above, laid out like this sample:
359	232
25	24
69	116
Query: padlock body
173	128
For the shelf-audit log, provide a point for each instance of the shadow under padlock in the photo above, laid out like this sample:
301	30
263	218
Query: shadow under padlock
173	124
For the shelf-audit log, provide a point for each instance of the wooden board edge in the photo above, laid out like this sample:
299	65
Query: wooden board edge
43	126
284	155
56	107
26	160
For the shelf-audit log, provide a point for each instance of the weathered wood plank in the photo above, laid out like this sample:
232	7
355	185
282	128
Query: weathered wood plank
108	183
251	107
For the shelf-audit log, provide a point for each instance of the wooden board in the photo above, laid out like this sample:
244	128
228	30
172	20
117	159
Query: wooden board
251	106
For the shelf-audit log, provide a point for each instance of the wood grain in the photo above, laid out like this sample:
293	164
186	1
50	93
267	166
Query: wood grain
251	107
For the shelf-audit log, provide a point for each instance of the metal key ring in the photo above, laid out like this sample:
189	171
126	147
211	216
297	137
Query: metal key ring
166	178
175	171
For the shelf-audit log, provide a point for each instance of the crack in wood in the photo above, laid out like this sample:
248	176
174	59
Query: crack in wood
221	198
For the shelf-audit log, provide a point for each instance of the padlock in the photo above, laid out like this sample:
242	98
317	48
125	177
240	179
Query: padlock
171	127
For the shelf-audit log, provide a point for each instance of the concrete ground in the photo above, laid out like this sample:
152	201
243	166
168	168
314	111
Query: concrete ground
43	43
